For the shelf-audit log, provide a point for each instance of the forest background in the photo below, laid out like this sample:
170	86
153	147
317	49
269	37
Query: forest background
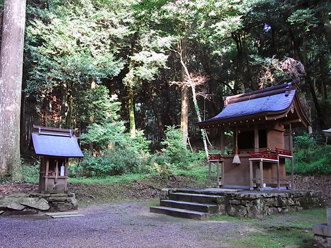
124	74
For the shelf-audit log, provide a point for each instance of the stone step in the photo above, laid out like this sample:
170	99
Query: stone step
63	214
181	213
200	198
200	207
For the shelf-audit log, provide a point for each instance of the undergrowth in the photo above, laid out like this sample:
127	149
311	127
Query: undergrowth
311	157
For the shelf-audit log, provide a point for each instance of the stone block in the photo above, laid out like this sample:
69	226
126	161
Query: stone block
255	211
164	194
328	216
57	199
36	203
322	230
15	206
18	195
322	241
64	206
235	202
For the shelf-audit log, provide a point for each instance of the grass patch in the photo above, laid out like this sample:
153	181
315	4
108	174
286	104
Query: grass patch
127	178
293	229
231	219
275	239
130	187
198	173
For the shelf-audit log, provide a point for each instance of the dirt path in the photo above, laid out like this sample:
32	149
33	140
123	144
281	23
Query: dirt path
127	225
117	226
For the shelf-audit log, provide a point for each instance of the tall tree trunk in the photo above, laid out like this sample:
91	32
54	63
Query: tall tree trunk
129	81
184	93
131	112
11	65
184	113
196	107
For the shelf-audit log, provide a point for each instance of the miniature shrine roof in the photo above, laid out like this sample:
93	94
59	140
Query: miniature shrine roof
55	142
274	103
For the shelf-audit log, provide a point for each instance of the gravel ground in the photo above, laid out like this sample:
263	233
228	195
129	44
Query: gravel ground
123	225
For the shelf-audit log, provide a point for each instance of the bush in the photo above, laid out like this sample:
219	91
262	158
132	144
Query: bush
303	142
128	155
175	151
30	171
312	161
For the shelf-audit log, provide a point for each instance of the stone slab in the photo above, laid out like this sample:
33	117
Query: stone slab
15	206
182	213
40	204
328	216
64	215
322	230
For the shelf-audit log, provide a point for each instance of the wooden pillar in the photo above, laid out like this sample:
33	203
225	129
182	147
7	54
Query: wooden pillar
256	139
291	149
251	175
222	141
46	174
261	175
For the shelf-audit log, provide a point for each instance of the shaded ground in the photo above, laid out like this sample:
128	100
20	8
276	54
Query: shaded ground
128	225
100	193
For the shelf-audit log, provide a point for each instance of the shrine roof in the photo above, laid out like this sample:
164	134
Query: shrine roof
274	103
56	142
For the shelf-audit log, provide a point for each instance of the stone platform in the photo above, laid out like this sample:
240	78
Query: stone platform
234	202
322	232
31	203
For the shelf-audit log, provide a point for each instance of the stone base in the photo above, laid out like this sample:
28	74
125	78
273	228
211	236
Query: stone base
256	204
32	203
322	235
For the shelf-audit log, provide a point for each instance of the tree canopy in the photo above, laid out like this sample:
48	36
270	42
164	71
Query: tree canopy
138	49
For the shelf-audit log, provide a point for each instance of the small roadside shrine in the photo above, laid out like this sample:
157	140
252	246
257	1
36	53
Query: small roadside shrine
55	146
261	123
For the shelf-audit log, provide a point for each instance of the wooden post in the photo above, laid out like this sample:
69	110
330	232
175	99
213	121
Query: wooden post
46	173
261	174
56	170
278	181
291	149
222	142
256	138
251	175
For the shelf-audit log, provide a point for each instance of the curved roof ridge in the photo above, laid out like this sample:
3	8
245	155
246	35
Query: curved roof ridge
273	103
281	88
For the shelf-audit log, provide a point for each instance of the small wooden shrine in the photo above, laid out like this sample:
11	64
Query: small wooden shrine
55	146
261	123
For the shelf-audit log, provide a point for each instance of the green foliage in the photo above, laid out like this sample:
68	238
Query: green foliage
176	153
312	161
5	178
70	46
114	151
131	155
98	166
96	106
127	154
30	172
303	142
102	112
309	157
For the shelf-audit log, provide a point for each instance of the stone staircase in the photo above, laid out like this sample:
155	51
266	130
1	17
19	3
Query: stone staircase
200	203
189	205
